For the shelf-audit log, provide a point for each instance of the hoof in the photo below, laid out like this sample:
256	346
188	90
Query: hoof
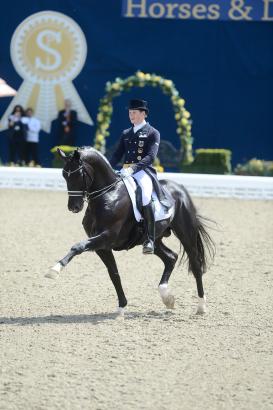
167	298
201	308
120	313
54	272
169	301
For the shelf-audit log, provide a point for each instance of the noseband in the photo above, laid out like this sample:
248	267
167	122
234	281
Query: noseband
85	194
75	193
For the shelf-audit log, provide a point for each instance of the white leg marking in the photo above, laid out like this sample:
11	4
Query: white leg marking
54	271
201	308
166	296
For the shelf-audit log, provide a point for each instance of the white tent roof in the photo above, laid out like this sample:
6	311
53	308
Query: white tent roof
5	89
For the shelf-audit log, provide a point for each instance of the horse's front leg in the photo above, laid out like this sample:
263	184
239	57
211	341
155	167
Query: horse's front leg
90	244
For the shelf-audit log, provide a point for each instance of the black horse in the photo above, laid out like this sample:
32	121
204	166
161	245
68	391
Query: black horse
110	224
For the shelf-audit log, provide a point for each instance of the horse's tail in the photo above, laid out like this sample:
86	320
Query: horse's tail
192	231
205	244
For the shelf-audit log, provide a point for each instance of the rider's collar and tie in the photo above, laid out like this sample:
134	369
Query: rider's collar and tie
139	126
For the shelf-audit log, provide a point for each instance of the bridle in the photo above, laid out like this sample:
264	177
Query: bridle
75	193
87	196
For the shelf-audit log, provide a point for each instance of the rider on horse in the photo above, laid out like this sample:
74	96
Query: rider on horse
139	146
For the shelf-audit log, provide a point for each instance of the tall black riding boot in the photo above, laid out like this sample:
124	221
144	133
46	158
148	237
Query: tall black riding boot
149	218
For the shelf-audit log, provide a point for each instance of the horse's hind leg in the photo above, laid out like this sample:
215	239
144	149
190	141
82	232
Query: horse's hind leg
169	259
108	259
188	232
196	269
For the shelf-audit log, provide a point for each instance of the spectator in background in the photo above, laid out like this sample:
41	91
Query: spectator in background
67	119
17	124
32	138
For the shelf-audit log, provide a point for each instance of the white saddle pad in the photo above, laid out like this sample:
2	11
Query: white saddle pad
160	213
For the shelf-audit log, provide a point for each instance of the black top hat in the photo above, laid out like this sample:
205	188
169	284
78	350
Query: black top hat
138	105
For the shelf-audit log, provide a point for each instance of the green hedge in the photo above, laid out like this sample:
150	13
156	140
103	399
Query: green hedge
210	161
57	161
255	167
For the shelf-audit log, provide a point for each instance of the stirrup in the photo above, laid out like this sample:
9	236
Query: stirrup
148	247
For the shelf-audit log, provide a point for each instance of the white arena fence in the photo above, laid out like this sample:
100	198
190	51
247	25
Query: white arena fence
222	186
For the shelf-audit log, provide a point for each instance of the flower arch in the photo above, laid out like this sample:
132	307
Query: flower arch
140	79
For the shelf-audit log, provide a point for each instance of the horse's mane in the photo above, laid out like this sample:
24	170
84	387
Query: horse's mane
87	153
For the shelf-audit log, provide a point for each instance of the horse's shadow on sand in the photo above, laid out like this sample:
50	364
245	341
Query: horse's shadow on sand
93	319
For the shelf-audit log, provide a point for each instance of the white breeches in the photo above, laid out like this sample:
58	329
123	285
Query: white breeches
146	185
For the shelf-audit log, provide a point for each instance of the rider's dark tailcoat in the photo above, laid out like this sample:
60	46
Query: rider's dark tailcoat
139	150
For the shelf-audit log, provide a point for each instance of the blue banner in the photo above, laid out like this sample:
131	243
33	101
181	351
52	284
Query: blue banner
234	10
223	71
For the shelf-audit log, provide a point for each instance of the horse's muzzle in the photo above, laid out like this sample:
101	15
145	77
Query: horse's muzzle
75	208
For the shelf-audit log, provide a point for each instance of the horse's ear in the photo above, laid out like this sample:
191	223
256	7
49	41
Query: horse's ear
76	155
62	154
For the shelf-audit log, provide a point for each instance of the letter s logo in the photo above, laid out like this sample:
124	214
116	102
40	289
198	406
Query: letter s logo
44	39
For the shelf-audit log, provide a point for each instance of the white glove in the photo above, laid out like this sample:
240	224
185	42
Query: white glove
126	172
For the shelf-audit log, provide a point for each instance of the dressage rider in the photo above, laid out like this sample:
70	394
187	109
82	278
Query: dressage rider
139	146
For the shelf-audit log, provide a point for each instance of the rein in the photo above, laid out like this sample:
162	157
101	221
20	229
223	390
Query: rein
87	196
100	192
